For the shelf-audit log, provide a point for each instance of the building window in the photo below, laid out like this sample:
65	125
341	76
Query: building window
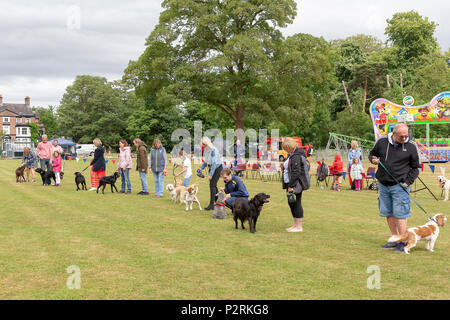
27	120
6	119
24	131
6	129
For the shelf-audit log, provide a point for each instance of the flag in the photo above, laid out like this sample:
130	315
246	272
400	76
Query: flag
421	166
106	161
84	160
432	167
344	174
114	161
78	159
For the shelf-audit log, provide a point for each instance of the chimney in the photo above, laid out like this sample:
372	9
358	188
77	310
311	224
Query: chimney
27	100
1	99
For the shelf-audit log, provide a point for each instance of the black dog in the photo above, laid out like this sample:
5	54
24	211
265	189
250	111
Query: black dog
79	179
108	180
244	209
19	173
48	175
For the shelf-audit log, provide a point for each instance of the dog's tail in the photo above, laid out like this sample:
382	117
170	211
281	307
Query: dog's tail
401	238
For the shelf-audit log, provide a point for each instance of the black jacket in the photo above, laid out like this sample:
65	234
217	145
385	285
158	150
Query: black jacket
402	161
296	170
99	160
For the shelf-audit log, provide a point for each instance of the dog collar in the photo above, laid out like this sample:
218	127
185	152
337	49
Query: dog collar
220	203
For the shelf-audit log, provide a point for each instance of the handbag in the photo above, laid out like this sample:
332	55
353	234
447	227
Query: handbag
298	188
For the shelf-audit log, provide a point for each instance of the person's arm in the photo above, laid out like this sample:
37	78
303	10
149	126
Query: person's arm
414	163
294	165
240	190
375	153
165	159
144	157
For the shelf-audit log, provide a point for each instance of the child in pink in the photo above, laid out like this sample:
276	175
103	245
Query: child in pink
57	163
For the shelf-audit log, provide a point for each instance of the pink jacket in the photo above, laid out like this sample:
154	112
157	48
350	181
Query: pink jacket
56	164
125	160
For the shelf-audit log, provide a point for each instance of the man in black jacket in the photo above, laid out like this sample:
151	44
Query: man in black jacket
401	158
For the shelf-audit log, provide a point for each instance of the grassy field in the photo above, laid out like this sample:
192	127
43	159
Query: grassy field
132	247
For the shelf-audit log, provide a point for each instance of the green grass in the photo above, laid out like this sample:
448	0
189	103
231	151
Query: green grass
131	247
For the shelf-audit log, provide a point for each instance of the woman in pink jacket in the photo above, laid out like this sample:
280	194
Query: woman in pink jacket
125	164
56	167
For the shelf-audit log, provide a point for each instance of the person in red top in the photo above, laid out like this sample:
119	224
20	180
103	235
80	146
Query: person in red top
336	171
56	167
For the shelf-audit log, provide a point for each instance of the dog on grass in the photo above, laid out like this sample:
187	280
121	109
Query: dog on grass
428	232
444	183
244	209
173	192
191	196
219	207
48	175
79	179
108	180
19	173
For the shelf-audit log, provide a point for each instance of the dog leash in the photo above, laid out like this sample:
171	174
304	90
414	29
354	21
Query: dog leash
85	168
404	189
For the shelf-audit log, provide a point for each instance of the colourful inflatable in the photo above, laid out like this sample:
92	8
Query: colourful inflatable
385	115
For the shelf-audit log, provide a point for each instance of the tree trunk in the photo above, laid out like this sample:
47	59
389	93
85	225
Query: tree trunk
387	81
346	96
365	96
239	118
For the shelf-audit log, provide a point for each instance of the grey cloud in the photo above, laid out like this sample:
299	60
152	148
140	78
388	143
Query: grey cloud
40	55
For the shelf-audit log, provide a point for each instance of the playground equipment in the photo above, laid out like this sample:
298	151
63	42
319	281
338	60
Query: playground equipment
385	115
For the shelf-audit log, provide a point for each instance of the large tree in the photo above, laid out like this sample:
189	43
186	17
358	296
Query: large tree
227	54
92	108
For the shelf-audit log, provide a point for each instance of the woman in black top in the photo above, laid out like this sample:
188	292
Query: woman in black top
293	172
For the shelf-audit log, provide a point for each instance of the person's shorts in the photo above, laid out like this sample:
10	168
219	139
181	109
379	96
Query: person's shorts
394	202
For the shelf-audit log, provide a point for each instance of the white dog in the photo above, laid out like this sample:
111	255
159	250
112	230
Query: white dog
444	183
191	196
173	192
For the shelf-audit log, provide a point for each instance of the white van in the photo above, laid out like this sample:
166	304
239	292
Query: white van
85	149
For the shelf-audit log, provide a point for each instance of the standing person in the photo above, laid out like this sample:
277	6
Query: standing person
142	164
295	180
158	165
234	187
57	147
30	159
336	170
56	167
401	158
356	171
109	151
187	168
44	153
125	164
355	152
214	161
98	164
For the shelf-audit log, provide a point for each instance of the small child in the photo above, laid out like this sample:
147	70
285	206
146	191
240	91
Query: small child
336	171
187	170
356	173
56	164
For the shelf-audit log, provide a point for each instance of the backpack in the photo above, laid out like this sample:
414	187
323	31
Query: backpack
306	166
323	172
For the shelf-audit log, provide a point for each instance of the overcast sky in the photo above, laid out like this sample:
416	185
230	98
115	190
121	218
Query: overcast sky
43	45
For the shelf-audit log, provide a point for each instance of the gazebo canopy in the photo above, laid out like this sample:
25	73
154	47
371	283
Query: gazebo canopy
64	142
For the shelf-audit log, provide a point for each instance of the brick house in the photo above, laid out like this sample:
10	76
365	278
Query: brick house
14	119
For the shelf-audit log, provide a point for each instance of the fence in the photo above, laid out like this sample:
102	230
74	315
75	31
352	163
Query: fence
328	155
15	149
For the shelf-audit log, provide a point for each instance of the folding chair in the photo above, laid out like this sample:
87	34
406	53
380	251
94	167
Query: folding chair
369	175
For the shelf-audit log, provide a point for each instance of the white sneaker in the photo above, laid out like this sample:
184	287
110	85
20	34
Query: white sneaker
92	189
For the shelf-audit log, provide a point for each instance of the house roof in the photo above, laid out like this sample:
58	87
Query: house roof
20	109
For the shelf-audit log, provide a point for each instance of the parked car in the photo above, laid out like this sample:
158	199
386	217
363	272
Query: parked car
85	149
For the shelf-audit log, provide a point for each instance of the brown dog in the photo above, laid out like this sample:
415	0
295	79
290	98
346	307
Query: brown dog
19	173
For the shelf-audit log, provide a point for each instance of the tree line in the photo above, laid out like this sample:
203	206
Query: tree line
227	64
